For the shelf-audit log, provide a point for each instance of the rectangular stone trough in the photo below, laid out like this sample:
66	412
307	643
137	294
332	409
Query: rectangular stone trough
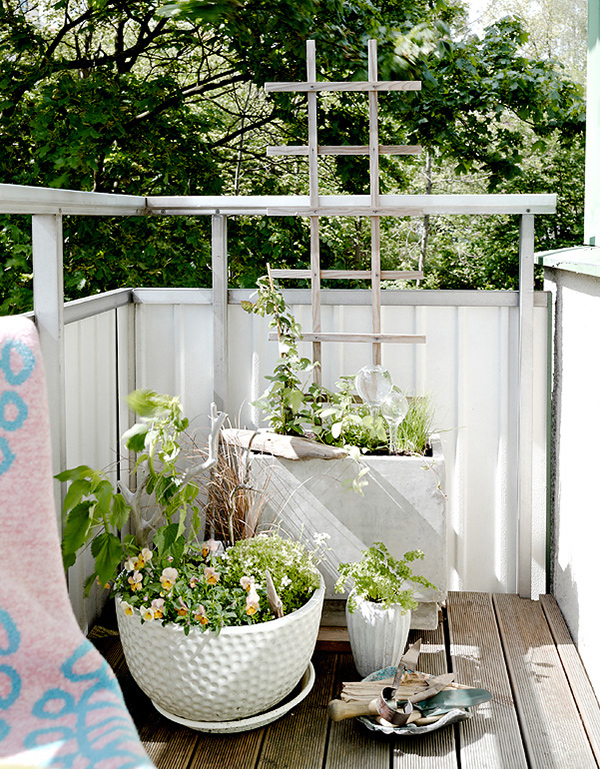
403	506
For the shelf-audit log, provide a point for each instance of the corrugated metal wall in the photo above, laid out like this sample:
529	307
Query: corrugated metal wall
469	366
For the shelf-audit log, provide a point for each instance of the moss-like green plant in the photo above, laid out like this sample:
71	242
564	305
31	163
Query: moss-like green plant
381	578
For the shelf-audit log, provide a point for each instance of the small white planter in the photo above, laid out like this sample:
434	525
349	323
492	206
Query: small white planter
209	677
377	636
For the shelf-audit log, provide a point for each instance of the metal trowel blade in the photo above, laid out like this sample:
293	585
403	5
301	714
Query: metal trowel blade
454	698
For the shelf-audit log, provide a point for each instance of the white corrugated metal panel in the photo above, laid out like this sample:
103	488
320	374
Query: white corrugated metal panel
174	354
91	422
469	366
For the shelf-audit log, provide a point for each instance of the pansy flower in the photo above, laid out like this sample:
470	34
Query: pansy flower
147	613
252	602
211	575
157	606
200	615
210	546
182	609
135	581
128	609
168	578
247	583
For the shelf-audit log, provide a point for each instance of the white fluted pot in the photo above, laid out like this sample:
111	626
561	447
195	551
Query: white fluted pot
377	636
238	673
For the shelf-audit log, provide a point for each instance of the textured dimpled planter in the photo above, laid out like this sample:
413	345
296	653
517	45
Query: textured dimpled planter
208	677
377	636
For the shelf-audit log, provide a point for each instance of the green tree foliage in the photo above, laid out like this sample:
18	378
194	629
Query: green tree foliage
126	96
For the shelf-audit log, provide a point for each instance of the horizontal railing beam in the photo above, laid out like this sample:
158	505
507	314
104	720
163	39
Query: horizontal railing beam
18	199
88	307
298	274
355	205
344	86
348	336
94	305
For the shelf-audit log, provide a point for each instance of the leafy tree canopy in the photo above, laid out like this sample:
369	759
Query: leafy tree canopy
135	97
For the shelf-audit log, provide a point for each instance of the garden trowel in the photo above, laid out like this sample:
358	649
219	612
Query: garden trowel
454	698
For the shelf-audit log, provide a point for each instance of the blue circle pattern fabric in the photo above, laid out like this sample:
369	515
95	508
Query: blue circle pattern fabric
60	708
98	743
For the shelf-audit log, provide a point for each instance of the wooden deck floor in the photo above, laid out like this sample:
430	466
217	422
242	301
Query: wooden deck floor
543	713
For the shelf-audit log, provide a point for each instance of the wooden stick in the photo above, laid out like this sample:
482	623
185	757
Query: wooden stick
367	336
313	181
344	85
345	149
348	274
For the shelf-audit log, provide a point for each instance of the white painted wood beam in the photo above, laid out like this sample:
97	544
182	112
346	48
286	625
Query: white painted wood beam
18	199
220	313
525	427
48	304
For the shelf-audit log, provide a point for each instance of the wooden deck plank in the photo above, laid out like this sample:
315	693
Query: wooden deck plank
521	650
583	693
436	750
216	751
300	739
553	733
351	746
168	745
492	738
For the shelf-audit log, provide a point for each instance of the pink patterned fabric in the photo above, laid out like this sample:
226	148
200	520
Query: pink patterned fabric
60	704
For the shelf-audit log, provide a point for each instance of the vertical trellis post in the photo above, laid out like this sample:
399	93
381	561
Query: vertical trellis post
313	180
374	187
48	306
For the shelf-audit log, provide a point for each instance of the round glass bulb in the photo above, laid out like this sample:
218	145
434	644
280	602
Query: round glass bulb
373	384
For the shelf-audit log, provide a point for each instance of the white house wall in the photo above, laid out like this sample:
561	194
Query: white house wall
576	420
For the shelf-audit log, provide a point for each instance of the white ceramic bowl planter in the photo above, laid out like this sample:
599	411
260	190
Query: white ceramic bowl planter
377	636
209	677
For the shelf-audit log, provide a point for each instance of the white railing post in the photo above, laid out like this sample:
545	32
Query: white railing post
220	310
48	304
525	427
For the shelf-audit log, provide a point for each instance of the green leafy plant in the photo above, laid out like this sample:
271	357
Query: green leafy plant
381	578
295	406
209	588
161	568
165	500
286	403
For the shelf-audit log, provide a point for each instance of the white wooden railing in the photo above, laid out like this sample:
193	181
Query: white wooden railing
485	362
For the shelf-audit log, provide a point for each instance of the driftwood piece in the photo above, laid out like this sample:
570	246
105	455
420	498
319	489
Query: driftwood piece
411	684
274	600
284	446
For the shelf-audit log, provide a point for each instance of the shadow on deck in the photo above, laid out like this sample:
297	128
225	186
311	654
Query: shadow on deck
543	713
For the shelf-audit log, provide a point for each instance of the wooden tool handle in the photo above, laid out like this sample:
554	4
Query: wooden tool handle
339	710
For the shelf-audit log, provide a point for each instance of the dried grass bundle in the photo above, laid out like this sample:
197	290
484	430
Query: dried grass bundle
235	502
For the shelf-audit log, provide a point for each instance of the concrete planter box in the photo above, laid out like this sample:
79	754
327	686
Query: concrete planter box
403	506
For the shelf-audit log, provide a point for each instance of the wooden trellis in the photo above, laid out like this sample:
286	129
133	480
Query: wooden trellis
373	87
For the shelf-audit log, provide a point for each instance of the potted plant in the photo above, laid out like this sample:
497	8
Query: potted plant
401	491
378	610
211	631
